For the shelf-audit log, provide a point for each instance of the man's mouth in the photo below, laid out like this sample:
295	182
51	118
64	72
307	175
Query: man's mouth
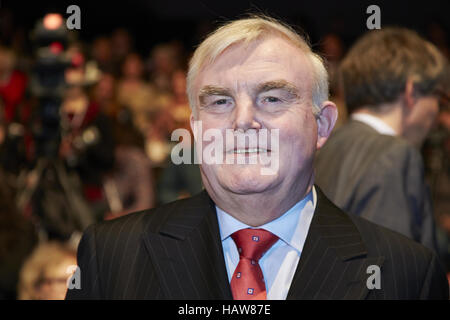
249	151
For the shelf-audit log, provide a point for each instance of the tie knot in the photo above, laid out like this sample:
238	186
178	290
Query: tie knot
253	243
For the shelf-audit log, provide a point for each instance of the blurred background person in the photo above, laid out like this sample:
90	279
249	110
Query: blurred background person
436	151
18	237
14	115
332	49
45	273
165	59
122	42
130	185
176	111
88	148
102	54
391	80
147	104
183	180
12	85
105	95
179	181
135	93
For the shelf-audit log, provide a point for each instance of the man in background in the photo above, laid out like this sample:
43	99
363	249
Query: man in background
371	167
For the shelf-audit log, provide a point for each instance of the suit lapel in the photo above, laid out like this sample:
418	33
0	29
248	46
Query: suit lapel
334	261
187	252
188	257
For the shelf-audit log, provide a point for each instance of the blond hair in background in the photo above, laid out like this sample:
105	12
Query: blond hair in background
44	274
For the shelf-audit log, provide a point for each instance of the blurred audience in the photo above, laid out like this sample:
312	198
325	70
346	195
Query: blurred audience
135	93
179	181
18	237
122	43
88	147
130	186
12	85
102	54
175	114
165	59
105	95
113	142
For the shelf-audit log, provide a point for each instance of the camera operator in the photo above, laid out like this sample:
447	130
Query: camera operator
88	145
72	140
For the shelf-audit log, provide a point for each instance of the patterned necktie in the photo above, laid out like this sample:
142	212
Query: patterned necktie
248	280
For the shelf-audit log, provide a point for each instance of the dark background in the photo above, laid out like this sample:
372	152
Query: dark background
152	21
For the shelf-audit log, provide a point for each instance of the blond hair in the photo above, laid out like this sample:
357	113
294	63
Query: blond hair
246	31
44	256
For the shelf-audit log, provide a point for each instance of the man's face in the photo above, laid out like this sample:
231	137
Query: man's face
420	119
263	86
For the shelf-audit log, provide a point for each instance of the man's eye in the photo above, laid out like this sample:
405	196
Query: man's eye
220	102
271	99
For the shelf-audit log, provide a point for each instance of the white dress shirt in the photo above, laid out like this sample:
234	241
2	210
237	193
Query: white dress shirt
376	123
279	263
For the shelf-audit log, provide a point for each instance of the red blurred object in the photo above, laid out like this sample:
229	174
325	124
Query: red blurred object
56	48
12	92
93	193
77	60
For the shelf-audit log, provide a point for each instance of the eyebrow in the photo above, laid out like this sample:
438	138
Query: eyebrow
278	84
209	90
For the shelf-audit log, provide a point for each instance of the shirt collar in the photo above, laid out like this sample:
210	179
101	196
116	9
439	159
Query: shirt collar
376	123
289	227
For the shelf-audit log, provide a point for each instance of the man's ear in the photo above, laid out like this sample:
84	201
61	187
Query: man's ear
408	96
326	119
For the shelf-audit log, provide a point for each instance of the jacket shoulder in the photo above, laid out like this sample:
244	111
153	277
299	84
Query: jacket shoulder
358	138
387	242
409	269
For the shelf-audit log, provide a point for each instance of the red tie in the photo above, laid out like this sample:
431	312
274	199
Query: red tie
248	280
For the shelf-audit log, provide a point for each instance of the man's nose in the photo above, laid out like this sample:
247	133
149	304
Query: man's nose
245	115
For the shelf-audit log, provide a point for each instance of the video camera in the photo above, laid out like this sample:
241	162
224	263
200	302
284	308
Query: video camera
47	82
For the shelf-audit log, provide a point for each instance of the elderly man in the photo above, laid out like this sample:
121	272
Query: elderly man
392	78
254	234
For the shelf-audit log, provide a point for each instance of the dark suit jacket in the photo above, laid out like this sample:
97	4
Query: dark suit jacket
175	252
378	177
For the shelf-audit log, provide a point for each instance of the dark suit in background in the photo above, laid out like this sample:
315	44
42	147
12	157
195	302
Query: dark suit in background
378	177
175	252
